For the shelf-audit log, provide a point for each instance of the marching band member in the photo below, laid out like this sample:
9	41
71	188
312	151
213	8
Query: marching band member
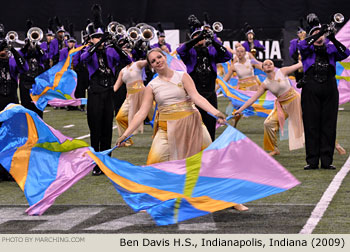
35	57
319	96
294	52
251	44
161	40
57	43
45	46
101	62
201	61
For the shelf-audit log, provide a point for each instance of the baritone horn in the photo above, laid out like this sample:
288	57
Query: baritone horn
112	28
217	27
120	30
147	33
35	34
134	34
11	36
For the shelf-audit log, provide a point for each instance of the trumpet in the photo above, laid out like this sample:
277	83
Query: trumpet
134	34
217	26
338	18
11	36
35	34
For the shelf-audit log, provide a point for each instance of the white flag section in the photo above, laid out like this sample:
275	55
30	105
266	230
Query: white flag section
172	37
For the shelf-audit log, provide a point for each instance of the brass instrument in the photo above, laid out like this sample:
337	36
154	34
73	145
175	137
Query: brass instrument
112	28
140	25
11	36
253	51
134	34
120	30
338	18
35	34
217	26
147	33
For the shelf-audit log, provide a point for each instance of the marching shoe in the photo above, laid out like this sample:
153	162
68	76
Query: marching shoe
310	167
96	171
329	167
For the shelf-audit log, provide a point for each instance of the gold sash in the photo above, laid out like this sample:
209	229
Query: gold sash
172	112
248	82
135	87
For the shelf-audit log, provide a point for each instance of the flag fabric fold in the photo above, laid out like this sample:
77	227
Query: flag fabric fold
57	85
43	162
261	107
343	67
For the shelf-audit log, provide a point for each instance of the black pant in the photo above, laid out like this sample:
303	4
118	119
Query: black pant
208	120
82	83
26	100
119	98
319	103
100	119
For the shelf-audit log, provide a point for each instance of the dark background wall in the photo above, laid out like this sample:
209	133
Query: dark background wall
267	17
271	19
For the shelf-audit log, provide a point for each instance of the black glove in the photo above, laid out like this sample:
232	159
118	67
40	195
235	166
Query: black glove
104	38
219	47
3	45
311	39
39	50
26	46
340	47
120	51
189	44
20	61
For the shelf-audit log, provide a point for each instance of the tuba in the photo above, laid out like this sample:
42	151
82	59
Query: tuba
35	34
217	26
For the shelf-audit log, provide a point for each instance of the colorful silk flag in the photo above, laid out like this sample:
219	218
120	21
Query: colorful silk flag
343	80
343	67
222	175
175	63
43	162
57	85
261	107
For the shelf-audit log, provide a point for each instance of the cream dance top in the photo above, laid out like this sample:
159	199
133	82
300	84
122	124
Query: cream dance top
244	70
131	73
169	92
279	85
